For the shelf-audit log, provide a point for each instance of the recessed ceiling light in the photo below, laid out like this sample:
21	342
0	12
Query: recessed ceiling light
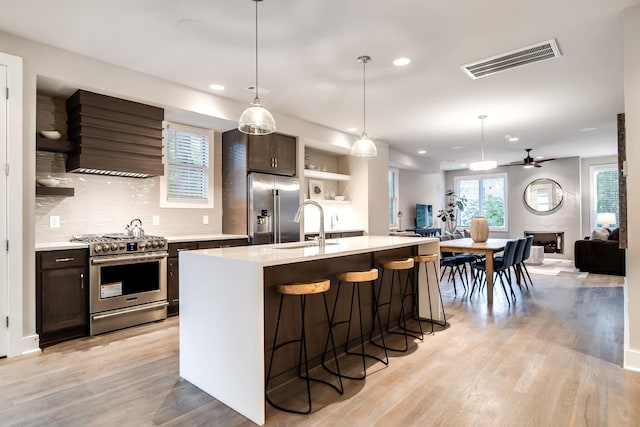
539	157
587	129
511	138
456	147
326	86
352	129
216	86
463	165
401	62
422	152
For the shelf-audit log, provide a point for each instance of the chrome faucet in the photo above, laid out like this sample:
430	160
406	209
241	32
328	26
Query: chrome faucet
317	205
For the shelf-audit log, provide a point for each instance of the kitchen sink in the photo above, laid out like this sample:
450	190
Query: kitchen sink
304	245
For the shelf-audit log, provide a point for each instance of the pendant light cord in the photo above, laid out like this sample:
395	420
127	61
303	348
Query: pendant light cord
256	1
482	143
364	98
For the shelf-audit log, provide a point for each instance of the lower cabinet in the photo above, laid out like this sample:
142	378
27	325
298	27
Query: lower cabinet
173	284
62	295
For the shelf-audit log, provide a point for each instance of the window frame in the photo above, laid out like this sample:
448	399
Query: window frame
593	196
164	202
505	178
394	202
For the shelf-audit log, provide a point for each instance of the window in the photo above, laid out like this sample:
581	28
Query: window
486	196
188	167
604	193
393	198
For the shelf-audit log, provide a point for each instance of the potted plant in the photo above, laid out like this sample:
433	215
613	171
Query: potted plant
449	214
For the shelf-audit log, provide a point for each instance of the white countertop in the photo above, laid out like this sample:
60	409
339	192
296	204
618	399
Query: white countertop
203	237
56	246
336	230
288	253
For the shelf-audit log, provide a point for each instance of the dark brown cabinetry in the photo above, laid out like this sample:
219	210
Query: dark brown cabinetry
61	295
274	153
334	235
173	284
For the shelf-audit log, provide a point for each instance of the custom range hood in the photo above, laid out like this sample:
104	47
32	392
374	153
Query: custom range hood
112	136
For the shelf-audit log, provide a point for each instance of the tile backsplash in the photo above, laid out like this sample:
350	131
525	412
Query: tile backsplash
105	204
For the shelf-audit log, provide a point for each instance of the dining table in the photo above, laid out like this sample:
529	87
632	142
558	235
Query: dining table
488	248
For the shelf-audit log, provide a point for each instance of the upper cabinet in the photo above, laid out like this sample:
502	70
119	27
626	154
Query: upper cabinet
274	153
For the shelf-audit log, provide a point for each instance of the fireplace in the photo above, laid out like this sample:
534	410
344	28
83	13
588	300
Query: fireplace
552	241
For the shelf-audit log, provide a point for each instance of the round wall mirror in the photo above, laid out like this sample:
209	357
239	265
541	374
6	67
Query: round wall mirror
543	195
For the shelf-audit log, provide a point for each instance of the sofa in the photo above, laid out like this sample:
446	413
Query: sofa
597	254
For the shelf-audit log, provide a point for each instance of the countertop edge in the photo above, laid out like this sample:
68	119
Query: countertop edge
281	257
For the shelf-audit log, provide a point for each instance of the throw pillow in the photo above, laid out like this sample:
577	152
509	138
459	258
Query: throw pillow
457	235
466	233
615	234
601	234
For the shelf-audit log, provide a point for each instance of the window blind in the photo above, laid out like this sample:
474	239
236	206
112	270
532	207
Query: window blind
187	157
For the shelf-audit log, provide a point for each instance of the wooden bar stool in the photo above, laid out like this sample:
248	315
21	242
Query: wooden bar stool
302	290
425	259
396	267
356	278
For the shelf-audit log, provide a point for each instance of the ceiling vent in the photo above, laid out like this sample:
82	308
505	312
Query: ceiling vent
505	61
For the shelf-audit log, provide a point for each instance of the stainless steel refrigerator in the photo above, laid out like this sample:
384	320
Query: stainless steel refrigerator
272	204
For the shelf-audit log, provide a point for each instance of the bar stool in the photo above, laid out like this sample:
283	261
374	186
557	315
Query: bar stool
397	266
425	259
302	289
356	278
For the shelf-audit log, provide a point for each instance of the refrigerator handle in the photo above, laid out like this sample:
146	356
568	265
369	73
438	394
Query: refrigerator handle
276	208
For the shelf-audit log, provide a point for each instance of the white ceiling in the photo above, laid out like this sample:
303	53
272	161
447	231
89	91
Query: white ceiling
429	104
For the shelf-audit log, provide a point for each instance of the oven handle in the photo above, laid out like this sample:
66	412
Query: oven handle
120	258
131	310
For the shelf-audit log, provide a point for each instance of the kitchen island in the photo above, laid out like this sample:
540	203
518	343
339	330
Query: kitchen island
229	303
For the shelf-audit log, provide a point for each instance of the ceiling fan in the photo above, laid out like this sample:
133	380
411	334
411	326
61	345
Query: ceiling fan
529	162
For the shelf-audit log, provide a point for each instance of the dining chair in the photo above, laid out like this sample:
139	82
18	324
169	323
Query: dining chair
500	268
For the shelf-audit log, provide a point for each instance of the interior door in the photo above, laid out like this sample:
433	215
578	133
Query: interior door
4	330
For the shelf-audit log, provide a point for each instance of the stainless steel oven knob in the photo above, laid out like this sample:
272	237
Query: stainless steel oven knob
114	246
97	249
154	244
105	248
122	246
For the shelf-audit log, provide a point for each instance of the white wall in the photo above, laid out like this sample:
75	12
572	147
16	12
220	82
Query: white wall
415	187
520	219
632	119
41	61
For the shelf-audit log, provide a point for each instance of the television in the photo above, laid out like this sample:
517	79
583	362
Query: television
424	216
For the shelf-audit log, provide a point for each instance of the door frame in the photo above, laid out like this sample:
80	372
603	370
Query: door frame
15	202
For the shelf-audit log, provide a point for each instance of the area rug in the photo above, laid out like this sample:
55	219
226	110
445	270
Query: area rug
557	267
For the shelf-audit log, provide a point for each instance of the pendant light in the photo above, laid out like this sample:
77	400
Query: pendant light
256	120
483	165
364	147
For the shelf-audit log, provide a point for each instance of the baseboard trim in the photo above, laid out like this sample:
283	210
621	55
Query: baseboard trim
30	344
632	360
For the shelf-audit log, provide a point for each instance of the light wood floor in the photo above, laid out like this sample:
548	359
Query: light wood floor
553	358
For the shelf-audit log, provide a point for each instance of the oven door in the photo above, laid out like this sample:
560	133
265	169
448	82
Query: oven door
122	281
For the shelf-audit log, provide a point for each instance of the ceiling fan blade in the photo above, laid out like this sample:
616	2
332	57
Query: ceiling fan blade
516	164
537	165
543	160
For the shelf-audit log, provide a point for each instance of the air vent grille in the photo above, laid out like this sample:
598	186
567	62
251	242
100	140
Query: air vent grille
505	61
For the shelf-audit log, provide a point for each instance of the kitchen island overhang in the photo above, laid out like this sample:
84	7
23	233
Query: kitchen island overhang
224	292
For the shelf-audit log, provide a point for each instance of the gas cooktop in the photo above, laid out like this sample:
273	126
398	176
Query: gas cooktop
120	243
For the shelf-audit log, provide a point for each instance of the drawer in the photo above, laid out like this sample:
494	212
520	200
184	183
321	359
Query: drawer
63	259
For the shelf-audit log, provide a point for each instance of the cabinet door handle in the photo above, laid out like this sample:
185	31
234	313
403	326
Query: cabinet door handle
65	259
276	162
81	280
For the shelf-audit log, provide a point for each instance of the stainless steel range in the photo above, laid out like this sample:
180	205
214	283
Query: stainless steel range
127	280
